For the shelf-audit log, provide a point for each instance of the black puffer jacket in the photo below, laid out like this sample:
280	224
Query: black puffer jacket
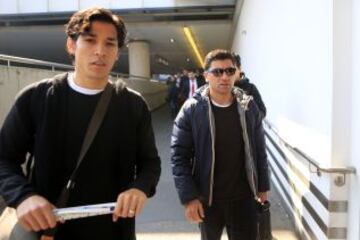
250	89
192	147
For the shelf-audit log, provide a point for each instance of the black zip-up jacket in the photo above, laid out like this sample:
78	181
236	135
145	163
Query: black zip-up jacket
250	89
122	155
193	146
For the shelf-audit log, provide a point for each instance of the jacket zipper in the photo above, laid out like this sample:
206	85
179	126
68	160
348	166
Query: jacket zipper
193	166
212	133
247	147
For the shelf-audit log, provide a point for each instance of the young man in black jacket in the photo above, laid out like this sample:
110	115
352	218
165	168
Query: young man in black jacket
50	118
250	89
218	153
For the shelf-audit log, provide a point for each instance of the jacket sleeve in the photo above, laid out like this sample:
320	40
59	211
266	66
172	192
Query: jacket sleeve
181	155
16	139
148	165
260	153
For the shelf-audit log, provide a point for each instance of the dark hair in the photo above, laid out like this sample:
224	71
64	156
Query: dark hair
80	23
237	60
218	54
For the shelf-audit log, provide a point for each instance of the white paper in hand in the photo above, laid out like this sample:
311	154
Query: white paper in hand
63	214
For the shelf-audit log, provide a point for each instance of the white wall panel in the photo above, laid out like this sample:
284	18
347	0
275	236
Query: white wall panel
180	3
123	4
8	7
286	50
34	6
91	3
158	3
63	6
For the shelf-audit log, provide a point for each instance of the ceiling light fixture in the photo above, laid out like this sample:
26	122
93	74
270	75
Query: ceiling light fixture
172	40
191	40
162	60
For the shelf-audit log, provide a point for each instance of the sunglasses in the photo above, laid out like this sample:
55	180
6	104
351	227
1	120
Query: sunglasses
218	72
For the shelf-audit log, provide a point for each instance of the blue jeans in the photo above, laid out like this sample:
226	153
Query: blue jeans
239	217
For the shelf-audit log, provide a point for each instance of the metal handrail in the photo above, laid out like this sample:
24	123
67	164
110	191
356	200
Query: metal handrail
55	65
130	76
319	169
29	61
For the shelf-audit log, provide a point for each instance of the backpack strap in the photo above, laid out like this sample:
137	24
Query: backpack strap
92	129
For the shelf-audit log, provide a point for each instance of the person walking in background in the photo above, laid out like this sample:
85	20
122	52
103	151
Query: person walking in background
218	154
183	79
50	118
200	76
172	96
250	89
189	85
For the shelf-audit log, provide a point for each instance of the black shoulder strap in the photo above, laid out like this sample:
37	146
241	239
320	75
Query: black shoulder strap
92	129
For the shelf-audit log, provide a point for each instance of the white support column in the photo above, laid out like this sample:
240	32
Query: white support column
139	58
341	104
342	80
354	194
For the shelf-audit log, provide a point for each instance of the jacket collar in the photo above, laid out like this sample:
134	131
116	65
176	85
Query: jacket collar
202	94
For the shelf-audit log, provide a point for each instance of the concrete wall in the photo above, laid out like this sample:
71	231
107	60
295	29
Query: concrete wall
154	92
13	79
304	58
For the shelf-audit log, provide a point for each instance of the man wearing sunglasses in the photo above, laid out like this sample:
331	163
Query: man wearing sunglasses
218	153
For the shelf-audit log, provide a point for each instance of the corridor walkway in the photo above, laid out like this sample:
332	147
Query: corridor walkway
163	216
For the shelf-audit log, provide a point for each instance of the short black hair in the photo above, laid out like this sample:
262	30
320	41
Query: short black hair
218	54
237	60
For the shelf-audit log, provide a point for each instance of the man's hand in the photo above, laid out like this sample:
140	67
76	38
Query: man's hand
35	214
194	211
263	196
129	204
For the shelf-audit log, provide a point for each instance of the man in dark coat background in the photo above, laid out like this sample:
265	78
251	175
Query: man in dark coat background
244	83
